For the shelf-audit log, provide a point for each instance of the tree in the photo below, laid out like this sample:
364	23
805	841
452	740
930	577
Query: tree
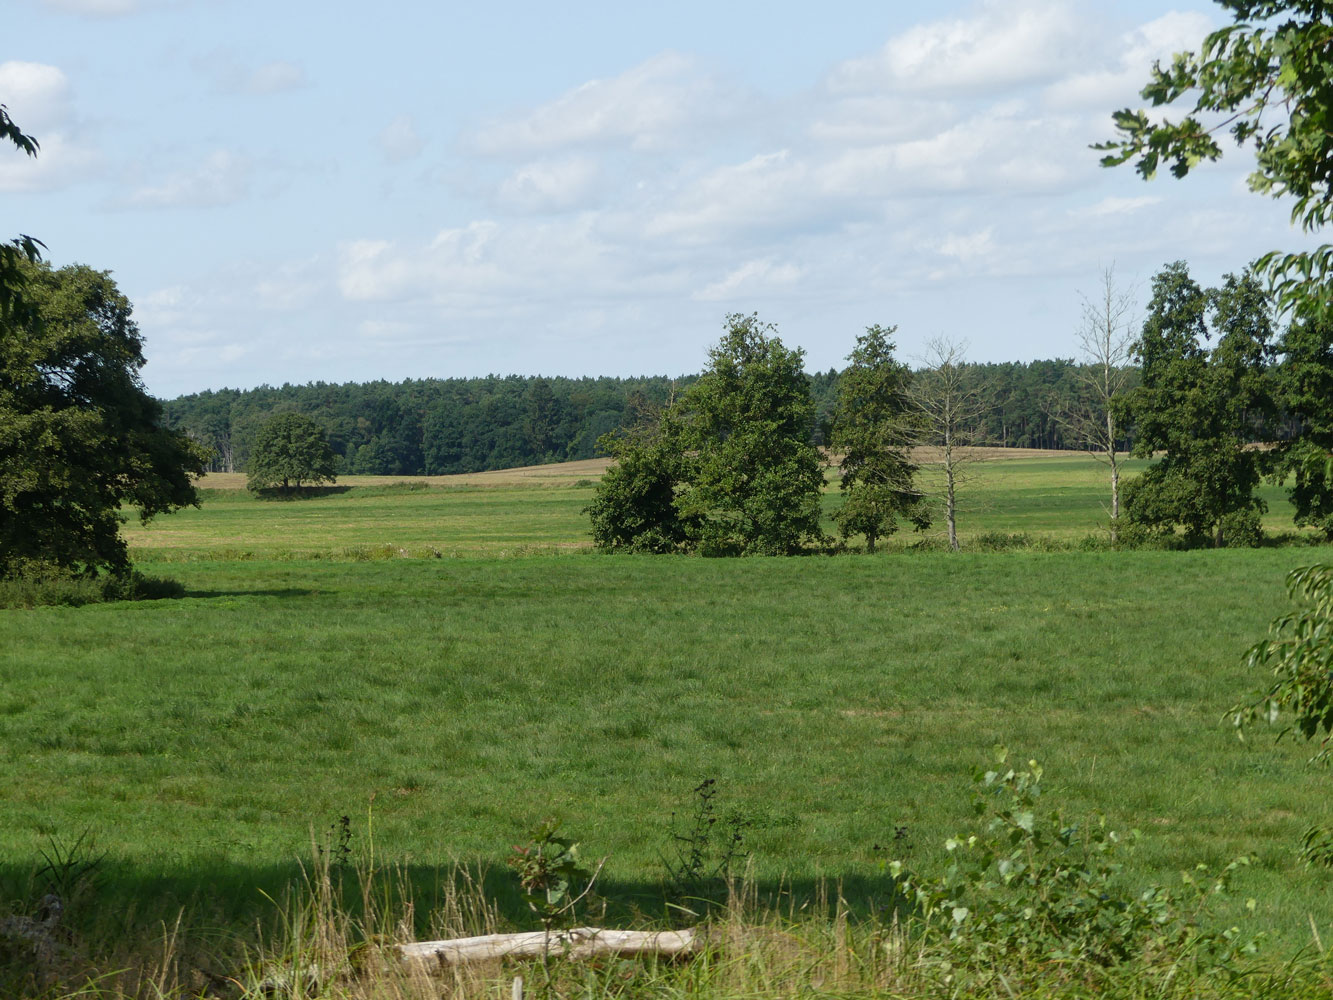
874	427
289	452
21	249
1201	408
727	468
754	482
1304	391
948	401
1104	340
634	508
1265	77
79	436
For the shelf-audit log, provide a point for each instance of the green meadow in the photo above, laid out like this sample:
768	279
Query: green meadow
448	665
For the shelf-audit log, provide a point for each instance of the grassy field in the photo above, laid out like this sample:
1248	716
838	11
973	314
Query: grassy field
539	510
447	704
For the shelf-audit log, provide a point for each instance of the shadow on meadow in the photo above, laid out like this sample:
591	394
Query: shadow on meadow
274	592
106	899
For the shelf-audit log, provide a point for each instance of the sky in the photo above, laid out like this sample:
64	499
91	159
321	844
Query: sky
325	190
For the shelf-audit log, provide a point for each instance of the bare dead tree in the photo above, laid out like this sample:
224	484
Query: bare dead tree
949	401
1105	339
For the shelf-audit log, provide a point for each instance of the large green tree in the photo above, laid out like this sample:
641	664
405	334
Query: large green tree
1200	408
290	451
1264	79
725	469
754	481
1305	396
79	436
874	427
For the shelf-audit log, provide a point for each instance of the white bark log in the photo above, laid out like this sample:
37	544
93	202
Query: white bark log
579	942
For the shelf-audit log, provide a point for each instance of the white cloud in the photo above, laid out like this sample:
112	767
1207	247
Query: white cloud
36	95
750	279
275	77
221	179
1121	206
968	246
646	108
550	185
96	8
1004	44
399	140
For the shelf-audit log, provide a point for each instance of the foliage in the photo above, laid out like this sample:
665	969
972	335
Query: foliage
22	249
1027	889
874	427
753	481
1299	654
549	873
1201	408
728	469
1303	390
634	508
39	584
79	436
1264	78
290	450
704	852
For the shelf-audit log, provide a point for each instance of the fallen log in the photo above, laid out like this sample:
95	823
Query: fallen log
580	942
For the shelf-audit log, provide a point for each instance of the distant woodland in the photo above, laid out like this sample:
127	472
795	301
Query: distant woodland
441	426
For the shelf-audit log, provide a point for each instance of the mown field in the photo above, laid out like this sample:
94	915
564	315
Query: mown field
324	662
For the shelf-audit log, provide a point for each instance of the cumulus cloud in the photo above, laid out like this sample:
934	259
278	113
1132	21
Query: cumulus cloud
550	185
274	77
96	8
752	278
1004	44
39	99
647	107
36	94
232	75
399	140
221	179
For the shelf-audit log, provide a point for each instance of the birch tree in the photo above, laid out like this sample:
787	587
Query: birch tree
949	402
1105	339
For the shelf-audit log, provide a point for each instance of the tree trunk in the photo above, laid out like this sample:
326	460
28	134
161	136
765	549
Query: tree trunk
581	942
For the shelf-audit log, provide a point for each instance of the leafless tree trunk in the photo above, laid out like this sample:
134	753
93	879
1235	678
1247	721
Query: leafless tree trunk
1105	339
948	402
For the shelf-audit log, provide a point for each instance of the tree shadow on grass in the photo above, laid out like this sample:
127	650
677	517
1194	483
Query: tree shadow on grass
245	903
275	592
300	492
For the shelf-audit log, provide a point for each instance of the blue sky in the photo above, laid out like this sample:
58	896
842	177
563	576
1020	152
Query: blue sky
292	190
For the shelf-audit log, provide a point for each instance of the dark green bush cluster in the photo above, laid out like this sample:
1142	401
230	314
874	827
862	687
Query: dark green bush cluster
40	585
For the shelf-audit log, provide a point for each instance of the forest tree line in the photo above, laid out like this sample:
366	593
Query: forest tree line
443	426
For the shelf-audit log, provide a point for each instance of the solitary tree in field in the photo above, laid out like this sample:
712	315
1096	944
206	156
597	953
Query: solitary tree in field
874	428
289	452
949	402
1104	339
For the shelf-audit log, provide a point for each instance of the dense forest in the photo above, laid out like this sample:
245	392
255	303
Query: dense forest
439	426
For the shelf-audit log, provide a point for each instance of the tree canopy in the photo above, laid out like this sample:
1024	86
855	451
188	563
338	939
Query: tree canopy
290	451
726	469
79	436
1264	78
1201	407
874	427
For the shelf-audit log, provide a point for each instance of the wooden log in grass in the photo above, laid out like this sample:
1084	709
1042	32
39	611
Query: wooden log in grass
580	942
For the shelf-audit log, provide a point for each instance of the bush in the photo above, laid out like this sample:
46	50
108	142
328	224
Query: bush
42	585
1028	892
